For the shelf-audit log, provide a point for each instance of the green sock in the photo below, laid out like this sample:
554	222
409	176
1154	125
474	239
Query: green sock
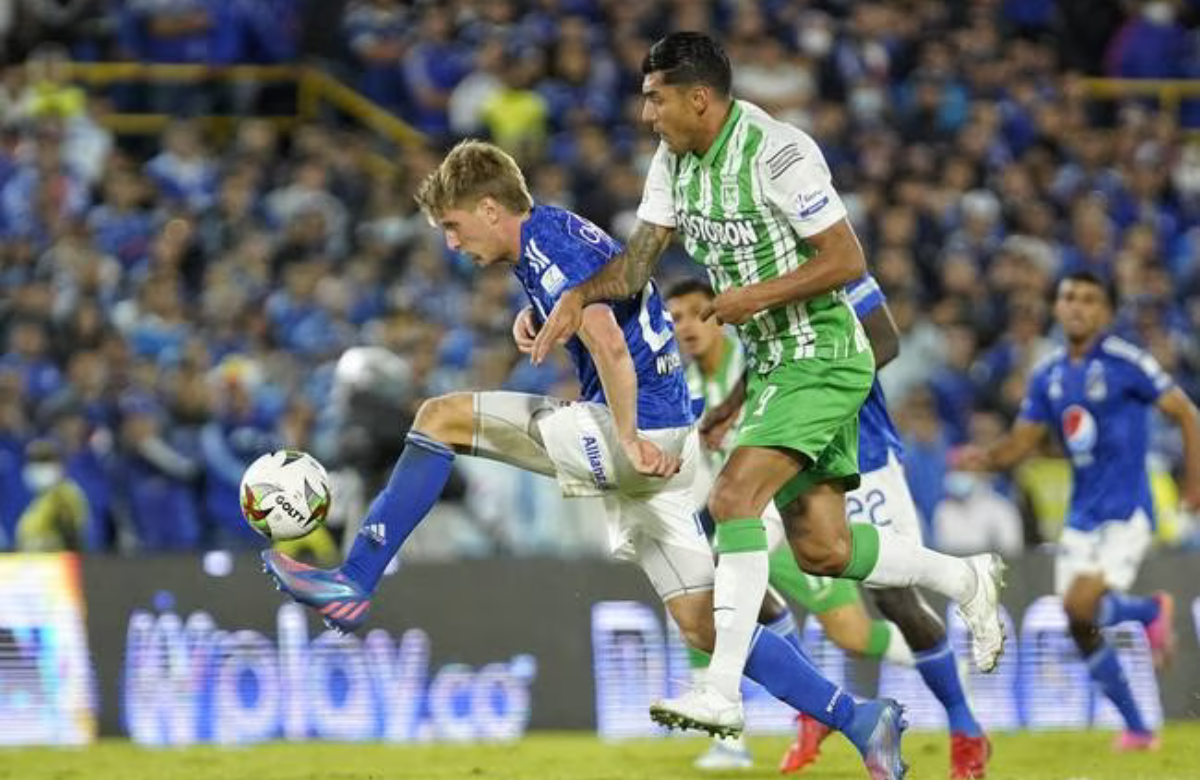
864	551
697	659
878	639
736	536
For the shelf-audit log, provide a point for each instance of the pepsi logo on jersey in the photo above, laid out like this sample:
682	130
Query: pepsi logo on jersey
1079	429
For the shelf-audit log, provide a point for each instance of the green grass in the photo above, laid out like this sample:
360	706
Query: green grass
1055	756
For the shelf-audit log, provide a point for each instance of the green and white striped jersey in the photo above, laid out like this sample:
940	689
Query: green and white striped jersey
744	210
716	388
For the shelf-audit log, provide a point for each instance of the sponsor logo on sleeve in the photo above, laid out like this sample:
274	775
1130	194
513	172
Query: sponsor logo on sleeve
810	203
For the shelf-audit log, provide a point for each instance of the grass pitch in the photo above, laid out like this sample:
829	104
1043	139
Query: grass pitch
550	756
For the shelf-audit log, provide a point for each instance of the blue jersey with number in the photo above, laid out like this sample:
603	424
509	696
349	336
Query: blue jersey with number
560	250
876	433
1098	407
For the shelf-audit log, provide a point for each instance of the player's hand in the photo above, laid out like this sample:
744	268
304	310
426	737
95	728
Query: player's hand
717	421
1190	500
564	320
732	307
650	459
524	330
968	457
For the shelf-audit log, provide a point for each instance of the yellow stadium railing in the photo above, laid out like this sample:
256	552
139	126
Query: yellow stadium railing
314	90
1169	93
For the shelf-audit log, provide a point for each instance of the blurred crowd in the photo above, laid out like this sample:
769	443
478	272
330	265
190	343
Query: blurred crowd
174	306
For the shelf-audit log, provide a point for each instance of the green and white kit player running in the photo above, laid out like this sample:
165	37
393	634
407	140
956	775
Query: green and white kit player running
753	200
715	372
715	375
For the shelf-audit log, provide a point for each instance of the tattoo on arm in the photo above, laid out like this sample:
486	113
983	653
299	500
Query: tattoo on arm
628	273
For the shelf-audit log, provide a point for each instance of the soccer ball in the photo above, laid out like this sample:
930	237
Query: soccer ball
285	494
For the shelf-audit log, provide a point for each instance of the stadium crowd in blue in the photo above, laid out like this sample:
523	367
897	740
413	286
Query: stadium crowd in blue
172	308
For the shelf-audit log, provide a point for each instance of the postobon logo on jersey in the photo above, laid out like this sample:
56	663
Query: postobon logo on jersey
731	232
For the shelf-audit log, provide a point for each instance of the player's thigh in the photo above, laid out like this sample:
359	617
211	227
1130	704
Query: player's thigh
1112	551
507	429
582	441
749	479
661	533
884	500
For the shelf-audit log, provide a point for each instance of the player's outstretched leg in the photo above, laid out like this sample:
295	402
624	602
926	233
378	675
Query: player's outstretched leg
874	727
878	557
970	748
343	595
1082	601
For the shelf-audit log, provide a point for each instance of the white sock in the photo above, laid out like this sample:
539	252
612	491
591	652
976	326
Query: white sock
898	652
741	581
904	562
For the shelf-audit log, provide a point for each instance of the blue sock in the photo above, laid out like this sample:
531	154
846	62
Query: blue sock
415	484
774	664
940	673
785	628
1118	607
1106	670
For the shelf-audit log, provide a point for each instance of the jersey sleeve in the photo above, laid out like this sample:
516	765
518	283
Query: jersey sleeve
570	254
865	295
1035	407
658	199
1148	378
797	182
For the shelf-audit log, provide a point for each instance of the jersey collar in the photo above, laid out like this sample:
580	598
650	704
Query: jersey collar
735	113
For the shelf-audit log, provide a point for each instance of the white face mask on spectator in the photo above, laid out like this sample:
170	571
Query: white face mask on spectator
41	476
960	484
1159	13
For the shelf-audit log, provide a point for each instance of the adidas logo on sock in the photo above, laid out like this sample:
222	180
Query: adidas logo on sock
376	532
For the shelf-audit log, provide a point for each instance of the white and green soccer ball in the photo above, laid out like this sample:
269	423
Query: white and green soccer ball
285	494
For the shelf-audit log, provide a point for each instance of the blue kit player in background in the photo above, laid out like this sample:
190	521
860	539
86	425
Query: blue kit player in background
630	441
1095	394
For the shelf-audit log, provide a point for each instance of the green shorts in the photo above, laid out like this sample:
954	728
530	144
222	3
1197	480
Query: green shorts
817	595
810	406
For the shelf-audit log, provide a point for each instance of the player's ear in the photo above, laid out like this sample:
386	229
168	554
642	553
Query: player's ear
700	96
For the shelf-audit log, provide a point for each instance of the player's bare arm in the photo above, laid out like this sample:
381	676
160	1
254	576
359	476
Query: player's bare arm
718	420
838	261
1018	444
623	276
883	335
1175	404
606	344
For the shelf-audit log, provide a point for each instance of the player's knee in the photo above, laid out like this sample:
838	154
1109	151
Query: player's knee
1080	608
1082	598
442	418
825	556
724	503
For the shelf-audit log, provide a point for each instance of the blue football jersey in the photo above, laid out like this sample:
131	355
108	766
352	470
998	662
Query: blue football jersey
876	433
1099	409
560	250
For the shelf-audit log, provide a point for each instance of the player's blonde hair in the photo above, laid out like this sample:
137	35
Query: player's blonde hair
474	170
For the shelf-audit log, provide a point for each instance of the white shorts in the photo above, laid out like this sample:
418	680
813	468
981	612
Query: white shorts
884	500
1113	549
651	521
